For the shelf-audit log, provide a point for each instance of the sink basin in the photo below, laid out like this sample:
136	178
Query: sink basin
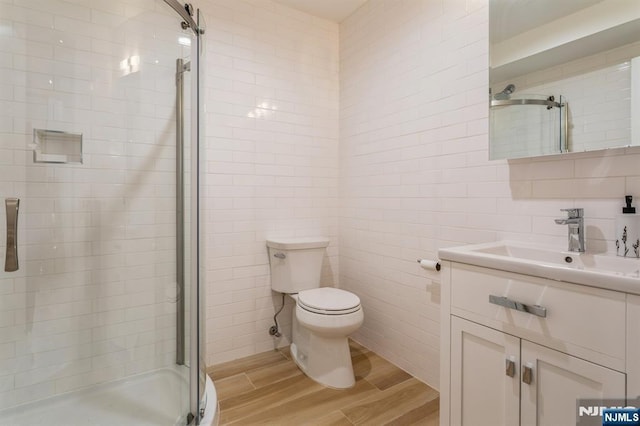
596	270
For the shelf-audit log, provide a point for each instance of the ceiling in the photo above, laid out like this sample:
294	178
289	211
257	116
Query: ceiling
522	15
333	10
512	17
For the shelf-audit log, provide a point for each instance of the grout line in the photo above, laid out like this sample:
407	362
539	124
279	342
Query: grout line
250	381
345	416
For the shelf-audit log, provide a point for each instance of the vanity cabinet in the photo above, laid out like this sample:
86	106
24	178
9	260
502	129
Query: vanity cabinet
485	365
502	366
500	379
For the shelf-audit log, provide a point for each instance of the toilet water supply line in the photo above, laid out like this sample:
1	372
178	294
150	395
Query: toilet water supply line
273	330
429	265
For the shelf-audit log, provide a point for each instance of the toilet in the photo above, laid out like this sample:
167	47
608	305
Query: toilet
323	318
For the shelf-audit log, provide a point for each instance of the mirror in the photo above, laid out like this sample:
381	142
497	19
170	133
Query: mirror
562	76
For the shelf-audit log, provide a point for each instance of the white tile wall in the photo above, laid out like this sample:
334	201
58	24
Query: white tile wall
272	141
92	300
415	175
413	137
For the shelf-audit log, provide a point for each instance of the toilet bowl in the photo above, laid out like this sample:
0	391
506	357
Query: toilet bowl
320	344
323	318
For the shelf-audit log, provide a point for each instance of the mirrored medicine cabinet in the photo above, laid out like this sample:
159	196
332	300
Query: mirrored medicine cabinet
564	76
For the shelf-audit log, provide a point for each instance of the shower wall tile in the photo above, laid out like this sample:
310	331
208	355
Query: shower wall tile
94	299
272	161
415	175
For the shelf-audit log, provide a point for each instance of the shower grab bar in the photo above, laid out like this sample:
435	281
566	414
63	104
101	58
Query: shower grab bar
12	206
544	102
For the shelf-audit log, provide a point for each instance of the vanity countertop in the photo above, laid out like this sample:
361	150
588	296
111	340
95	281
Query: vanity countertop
595	270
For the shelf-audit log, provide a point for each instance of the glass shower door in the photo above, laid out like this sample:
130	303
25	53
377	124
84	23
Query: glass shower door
89	303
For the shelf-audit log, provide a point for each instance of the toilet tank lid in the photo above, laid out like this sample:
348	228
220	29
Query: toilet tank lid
298	243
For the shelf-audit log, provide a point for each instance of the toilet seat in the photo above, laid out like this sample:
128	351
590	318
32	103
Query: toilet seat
328	301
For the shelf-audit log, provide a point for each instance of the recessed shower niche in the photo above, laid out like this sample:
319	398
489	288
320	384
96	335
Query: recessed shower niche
54	146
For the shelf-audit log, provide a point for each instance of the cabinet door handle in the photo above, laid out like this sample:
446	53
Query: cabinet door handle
11	258
510	367
518	306
527	373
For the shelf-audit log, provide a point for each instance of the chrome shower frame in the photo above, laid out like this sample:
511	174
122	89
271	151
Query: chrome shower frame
549	103
196	365
186	12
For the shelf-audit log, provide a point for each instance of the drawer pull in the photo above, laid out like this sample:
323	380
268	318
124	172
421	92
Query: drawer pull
527	373
510	368
512	304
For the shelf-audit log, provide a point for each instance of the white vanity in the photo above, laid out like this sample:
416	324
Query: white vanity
526	331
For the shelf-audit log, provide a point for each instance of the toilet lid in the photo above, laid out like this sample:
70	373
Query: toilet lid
328	301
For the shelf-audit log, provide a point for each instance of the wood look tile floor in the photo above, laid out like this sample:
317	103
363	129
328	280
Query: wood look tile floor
268	388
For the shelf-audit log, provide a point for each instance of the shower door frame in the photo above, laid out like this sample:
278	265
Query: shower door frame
182	11
196	368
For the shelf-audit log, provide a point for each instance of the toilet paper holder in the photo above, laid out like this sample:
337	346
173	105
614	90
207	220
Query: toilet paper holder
430	265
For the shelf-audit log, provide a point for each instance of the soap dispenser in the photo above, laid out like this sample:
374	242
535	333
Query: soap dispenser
627	227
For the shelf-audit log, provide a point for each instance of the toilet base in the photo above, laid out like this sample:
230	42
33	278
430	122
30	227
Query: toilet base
325	360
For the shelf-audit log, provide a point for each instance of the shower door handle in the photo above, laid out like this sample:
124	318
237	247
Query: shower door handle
11	259
180	238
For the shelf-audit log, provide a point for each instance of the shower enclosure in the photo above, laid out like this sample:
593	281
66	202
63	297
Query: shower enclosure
100	302
527	125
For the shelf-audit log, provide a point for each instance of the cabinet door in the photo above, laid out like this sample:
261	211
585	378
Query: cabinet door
484	391
557	381
633	346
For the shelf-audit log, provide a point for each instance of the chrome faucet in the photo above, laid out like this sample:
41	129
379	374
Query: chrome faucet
575	221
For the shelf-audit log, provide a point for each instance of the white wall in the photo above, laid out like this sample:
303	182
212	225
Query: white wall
94	299
413	133
415	175
272	140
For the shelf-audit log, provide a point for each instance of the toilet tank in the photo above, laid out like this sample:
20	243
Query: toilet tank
296	263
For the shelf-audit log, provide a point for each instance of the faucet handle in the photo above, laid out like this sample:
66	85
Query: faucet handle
574	213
